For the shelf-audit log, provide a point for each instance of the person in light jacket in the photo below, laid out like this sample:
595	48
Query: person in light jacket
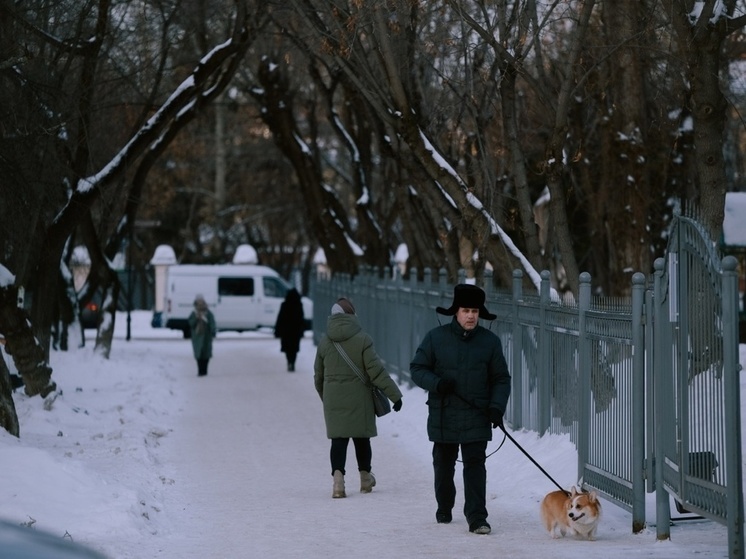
348	403
462	366
202	325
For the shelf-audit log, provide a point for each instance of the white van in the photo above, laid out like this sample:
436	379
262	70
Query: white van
241	296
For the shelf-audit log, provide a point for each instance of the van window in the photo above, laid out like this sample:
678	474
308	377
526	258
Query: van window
236	287
274	287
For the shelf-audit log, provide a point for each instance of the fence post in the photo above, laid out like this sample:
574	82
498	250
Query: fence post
402	327
442	285
545	350
731	370
488	287
638	409
662	362
584	371
517	355
427	286
649	342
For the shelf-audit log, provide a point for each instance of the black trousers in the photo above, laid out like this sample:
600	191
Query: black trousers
363	453
475	478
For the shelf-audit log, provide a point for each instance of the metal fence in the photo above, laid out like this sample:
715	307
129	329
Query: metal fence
696	385
646	387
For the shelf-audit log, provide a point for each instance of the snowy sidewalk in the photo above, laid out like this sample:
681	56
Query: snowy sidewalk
251	470
249	463
139	458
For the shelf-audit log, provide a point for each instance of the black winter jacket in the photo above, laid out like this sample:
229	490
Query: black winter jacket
474	360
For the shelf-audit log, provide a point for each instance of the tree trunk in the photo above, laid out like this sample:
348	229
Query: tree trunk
701	43
708	107
518	168
625	200
555	153
8	415
28	355
105	330
327	215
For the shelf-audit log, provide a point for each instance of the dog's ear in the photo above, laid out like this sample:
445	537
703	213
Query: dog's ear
593	496
573	491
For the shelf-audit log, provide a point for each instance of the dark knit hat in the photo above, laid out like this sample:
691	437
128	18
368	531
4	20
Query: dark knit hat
467	296
343	305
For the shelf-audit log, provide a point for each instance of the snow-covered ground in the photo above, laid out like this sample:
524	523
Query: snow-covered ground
139	458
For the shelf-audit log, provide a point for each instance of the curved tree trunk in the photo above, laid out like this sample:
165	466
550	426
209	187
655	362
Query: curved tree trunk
20	343
8	415
326	214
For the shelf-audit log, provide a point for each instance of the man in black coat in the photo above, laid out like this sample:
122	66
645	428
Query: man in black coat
462	366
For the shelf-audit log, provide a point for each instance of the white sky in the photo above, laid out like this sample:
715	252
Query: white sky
141	459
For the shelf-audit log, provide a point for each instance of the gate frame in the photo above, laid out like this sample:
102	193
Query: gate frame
671	318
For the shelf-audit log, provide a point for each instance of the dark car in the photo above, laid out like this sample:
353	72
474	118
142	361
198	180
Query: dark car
90	315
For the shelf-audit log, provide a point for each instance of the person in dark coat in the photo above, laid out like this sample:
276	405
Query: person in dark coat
348	403
290	326
462	366
202	325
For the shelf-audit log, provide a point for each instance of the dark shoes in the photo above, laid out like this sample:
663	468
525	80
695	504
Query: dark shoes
476	527
479	527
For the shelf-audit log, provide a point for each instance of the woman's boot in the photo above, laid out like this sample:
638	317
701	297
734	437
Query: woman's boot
338	490
367	482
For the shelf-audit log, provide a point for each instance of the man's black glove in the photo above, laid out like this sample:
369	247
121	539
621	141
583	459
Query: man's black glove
446	386
496	417
397	405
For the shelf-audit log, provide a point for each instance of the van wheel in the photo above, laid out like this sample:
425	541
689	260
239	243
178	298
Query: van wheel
187	333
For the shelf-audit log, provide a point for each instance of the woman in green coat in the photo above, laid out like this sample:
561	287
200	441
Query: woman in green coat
202	325
348	403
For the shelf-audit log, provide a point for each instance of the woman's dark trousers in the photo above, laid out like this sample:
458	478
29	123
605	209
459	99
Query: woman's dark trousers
475	478
363	453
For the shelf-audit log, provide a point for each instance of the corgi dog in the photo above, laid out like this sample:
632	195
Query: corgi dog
576	512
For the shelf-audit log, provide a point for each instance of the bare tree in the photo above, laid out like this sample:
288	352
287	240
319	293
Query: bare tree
36	261
441	124
701	29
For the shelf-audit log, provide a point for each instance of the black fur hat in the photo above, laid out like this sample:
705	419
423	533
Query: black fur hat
467	296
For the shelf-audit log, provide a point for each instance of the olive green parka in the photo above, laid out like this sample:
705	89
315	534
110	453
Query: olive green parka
348	403
203	330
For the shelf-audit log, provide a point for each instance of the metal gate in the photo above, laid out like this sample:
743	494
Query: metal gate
648	389
696	384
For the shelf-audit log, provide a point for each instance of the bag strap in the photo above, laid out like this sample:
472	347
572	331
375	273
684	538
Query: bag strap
352	365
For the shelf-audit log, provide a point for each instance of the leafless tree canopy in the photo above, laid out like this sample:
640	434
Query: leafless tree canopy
534	134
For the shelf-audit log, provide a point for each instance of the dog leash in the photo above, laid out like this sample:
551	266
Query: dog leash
508	435
565	491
